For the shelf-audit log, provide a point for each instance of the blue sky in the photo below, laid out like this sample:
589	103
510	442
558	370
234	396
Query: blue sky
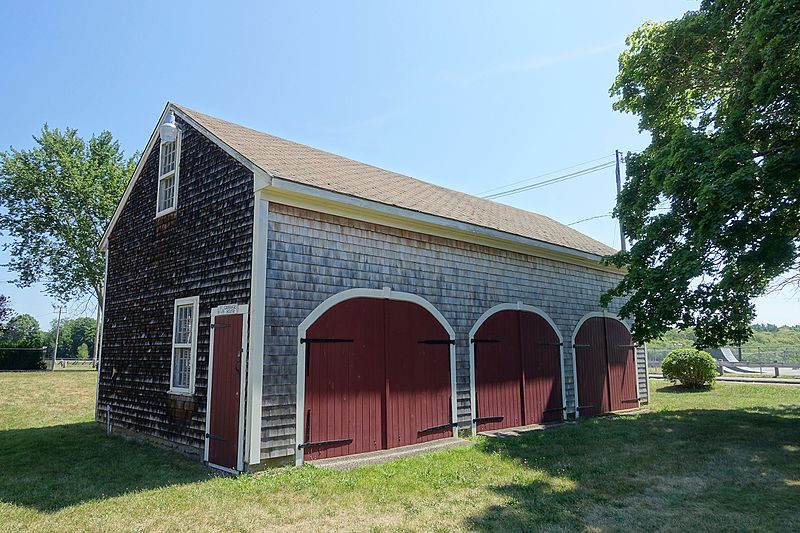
469	95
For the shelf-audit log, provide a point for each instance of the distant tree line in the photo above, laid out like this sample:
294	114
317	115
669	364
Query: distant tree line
76	338
763	335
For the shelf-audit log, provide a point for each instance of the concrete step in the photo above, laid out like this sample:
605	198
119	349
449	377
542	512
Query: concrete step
382	456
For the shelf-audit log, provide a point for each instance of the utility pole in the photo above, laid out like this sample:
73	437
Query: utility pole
619	190
58	330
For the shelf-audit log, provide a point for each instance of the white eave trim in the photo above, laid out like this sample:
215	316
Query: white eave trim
295	194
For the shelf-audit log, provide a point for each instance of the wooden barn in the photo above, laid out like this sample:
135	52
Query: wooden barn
269	303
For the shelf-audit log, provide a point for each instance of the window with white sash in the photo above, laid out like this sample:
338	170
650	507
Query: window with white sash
184	345
168	170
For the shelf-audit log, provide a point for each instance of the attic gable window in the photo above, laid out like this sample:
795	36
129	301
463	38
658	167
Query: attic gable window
168	167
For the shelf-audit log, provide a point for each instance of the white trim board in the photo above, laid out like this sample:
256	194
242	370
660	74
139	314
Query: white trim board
386	294
258	302
519	306
99	347
215	312
587	316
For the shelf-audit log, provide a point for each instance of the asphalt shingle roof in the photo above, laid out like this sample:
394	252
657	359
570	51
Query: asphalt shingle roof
302	164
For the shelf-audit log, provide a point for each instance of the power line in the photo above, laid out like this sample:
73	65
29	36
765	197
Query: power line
551	181
545	174
589	218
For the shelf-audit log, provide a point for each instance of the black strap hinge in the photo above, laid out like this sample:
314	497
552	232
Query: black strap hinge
478	341
437	428
335	442
209	436
323	341
554	409
437	341
485	419
220	325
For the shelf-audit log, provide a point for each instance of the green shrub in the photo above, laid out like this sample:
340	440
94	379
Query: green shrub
692	367
83	351
21	359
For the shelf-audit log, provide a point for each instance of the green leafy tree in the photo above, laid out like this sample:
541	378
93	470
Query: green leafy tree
712	206
5	312
22	330
74	333
56	200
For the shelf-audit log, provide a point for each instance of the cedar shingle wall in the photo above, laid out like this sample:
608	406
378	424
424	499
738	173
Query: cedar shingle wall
312	256
202	249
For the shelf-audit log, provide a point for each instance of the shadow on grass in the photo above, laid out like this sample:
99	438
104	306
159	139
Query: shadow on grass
49	468
683	389
697	469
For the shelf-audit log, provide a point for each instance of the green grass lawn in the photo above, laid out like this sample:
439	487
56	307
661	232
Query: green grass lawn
722	459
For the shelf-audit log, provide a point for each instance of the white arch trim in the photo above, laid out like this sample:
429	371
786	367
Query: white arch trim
587	316
384	294
519	306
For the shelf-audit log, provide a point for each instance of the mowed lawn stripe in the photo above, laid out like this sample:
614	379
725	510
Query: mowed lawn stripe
725	458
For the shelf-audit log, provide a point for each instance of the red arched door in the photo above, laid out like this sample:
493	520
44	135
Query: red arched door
517	371
606	367
377	377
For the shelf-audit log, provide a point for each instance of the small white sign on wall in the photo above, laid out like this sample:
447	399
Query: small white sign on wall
228	309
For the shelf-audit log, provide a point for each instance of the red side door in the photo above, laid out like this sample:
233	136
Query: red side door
541	365
223	437
592	368
418	375
621	366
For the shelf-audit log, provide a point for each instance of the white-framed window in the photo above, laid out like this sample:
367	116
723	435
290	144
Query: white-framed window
184	345
169	160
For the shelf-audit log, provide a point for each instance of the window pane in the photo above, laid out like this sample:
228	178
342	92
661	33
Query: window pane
181	368
183	324
167	157
166	196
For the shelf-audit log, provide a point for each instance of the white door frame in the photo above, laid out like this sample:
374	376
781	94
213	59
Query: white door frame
230	309
384	294
519	306
587	316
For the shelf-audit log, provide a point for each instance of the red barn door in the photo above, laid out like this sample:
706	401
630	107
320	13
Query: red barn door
621	367
377	377
606	367
497	372
592	367
418	372
517	371
541	356
345	380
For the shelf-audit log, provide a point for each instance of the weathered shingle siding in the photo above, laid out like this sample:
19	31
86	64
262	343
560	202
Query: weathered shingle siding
201	249
311	256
